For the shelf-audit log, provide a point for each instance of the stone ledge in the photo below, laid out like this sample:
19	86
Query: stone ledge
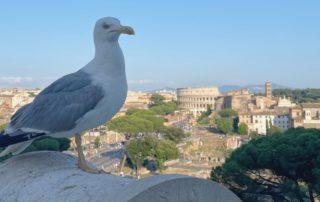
54	176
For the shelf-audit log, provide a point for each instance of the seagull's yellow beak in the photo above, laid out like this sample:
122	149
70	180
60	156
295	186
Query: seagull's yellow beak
125	30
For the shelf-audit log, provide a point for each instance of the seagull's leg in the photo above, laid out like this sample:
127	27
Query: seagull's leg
82	164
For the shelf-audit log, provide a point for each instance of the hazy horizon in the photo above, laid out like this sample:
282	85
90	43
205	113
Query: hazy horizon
177	44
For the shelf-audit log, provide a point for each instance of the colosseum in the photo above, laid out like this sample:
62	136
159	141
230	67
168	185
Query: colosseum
197	100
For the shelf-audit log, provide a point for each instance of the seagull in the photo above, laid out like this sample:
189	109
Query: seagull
78	101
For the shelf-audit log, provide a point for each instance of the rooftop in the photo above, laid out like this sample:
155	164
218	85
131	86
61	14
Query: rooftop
310	105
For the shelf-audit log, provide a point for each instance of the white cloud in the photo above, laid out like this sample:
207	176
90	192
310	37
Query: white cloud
141	81
15	80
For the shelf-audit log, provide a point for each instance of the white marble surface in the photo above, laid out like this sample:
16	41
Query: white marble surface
54	176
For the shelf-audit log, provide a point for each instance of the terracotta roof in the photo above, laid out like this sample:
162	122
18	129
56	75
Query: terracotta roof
273	112
5	95
298	118
310	105
297	107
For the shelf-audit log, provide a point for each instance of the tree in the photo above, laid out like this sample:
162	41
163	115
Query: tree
228	113
243	129
204	119
2	127
144	122
165	108
131	125
157	99
160	107
140	112
299	95
64	143
227	121
137	152
140	123
206	113
47	144
271	129
285	166
175	134
165	150
137	121
224	125
150	148
254	135
97	142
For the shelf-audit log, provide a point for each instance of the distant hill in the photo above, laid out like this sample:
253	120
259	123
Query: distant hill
226	88
259	88
299	95
163	89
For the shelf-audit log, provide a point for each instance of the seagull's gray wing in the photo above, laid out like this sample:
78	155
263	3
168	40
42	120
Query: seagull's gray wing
60	105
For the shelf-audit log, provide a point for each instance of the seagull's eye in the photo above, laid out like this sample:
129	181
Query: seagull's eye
105	26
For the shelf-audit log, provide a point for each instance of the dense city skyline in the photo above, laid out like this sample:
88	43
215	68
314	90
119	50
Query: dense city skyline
210	43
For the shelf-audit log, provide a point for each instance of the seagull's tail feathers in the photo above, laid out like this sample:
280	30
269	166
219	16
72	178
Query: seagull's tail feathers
16	148
18	141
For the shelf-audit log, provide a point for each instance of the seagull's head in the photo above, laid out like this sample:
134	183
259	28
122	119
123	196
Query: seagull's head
109	29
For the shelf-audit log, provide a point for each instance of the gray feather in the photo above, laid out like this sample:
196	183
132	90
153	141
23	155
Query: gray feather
59	106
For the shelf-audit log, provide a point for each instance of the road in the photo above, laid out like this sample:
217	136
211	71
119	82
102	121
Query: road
108	158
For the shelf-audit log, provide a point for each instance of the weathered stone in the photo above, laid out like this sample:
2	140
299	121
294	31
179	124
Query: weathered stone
54	176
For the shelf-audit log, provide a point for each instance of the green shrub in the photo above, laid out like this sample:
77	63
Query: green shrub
47	144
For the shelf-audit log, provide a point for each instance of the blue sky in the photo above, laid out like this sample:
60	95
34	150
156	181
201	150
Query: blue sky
177	44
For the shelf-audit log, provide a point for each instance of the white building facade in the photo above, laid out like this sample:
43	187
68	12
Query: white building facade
259	122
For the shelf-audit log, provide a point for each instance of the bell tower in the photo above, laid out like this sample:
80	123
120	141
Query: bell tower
268	89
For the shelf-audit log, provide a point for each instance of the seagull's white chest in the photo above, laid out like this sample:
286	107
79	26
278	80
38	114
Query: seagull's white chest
115	90
115	95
